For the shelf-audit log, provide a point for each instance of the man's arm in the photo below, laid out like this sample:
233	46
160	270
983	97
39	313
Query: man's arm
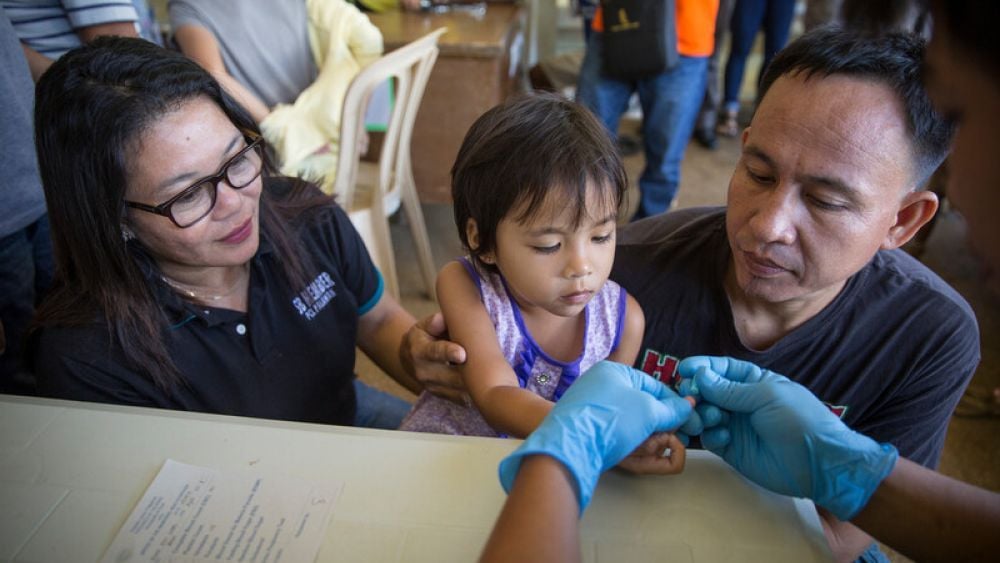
121	29
539	521
916	418
771	420
37	62
930	517
200	45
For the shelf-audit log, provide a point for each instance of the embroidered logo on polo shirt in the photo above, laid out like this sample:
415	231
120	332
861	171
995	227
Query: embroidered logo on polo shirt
315	296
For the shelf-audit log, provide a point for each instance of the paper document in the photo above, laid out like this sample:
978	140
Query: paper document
194	514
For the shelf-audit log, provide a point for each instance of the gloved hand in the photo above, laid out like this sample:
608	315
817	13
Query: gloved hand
600	419
779	435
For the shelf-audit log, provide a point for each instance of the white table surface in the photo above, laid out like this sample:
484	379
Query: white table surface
70	474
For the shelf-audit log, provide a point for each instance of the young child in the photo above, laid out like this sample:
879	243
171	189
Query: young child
536	189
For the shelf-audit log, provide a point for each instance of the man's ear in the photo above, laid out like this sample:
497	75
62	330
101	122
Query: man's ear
917	208
472	237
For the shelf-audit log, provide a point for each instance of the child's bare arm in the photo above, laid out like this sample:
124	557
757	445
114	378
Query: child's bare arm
491	381
631	340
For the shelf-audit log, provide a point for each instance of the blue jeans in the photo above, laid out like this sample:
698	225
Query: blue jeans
378	409
670	103
775	16
26	268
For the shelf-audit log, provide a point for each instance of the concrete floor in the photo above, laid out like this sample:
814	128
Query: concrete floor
972	449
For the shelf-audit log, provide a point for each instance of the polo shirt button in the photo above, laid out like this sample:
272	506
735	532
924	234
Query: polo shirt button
241	329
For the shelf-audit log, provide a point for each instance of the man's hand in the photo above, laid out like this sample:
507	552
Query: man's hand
779	435
428	356
601	418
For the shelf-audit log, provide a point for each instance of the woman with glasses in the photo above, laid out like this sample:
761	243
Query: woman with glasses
189	277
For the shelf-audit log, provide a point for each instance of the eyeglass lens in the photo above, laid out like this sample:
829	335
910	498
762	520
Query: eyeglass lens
200	200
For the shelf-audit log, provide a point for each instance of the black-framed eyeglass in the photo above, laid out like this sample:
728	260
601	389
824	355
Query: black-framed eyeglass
193	203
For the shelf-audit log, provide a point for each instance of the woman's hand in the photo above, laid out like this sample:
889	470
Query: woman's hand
430	358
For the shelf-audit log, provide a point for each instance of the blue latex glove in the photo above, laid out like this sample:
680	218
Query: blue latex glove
600	419
708	415
783	438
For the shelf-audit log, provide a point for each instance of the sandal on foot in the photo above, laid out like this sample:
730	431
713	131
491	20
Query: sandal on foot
729	125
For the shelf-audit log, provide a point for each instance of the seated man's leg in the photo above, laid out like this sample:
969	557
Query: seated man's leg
606	97
17	306
670	103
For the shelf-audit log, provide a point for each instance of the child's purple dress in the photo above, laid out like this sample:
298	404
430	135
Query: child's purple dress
535	370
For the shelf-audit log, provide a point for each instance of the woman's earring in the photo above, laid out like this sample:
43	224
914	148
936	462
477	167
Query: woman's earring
127	234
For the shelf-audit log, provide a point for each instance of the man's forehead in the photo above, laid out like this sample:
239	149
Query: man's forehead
832	126
839	95
847	114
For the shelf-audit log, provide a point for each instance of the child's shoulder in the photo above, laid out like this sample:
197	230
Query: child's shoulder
461	270
462	277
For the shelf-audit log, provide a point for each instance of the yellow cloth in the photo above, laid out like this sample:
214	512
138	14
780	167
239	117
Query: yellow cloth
343	41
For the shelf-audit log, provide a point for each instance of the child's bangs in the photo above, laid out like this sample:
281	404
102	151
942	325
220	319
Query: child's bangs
570	191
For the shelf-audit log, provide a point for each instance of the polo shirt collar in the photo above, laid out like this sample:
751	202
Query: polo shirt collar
180	311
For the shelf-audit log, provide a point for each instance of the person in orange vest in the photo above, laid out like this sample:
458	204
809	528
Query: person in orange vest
670	99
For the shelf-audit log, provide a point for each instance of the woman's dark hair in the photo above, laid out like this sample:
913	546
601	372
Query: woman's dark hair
91	108
892	59
519	152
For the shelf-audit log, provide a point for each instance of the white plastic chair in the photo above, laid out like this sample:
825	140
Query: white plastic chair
371	192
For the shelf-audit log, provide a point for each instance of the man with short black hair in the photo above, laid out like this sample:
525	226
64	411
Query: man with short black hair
800	274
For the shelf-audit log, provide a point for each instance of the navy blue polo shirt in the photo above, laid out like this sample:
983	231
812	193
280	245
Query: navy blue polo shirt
290	356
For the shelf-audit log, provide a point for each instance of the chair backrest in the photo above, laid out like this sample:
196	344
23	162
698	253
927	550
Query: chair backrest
410	66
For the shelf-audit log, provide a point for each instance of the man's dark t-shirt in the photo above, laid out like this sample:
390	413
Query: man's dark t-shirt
891	355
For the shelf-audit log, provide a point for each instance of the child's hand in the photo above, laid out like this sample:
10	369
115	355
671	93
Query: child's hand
648	458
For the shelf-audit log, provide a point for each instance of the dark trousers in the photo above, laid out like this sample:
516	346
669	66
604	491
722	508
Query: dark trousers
708	115
749	16
26	268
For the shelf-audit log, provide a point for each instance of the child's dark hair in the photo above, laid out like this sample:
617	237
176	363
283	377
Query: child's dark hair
521	151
